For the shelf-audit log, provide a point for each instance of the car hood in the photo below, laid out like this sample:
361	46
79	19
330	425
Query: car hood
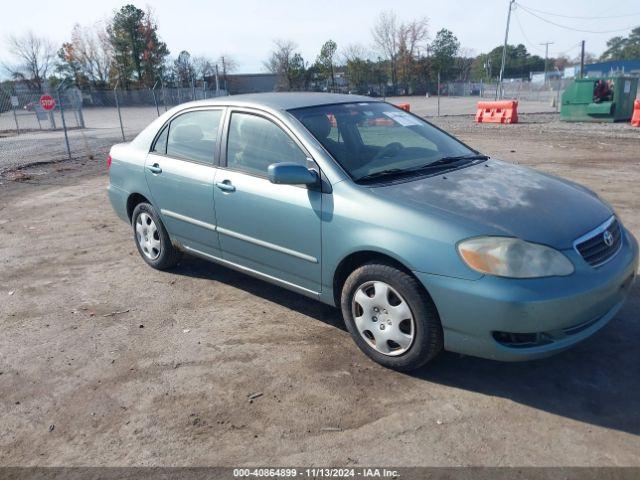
498	198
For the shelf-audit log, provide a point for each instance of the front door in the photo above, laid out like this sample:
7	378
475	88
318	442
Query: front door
269	228
180	173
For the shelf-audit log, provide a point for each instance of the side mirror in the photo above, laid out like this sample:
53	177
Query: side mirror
289	173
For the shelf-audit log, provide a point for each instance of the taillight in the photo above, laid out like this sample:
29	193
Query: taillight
108	161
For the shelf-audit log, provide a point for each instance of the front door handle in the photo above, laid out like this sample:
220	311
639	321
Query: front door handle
226	186
155	168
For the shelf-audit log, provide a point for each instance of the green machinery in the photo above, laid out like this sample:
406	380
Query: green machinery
579	102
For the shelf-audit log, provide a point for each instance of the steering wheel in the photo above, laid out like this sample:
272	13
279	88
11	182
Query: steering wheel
388	151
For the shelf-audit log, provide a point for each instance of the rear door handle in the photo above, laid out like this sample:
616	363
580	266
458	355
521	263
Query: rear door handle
226	186
155	168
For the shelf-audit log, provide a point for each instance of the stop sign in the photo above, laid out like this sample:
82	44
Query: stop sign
47	102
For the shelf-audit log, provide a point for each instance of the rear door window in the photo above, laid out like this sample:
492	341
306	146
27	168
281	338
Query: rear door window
193	136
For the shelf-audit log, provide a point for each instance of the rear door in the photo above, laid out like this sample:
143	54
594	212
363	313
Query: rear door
180	172
269	228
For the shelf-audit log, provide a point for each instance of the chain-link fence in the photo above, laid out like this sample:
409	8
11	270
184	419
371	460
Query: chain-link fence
95	119
517	89
83	123
21	109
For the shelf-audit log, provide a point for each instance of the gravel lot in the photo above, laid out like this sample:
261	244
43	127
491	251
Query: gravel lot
104	361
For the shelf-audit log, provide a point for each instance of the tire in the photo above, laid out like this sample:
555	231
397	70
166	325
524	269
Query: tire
415	315
151	238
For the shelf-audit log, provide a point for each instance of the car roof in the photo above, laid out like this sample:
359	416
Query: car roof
283	100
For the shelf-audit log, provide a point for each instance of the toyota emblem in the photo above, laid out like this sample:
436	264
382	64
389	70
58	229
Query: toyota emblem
608	238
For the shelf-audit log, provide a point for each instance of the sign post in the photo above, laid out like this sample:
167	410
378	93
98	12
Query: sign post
14	104
64	125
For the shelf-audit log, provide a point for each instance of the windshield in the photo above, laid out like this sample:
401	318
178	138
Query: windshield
375	139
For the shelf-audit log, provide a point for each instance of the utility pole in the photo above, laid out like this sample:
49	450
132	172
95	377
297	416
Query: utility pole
504	50
217	82
546	59
582	60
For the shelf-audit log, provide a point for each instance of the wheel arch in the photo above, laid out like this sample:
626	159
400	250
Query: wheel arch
356	259
133	201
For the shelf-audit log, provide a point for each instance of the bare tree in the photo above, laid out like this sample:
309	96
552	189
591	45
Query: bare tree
204	66
400	43
227	64
287	64
464	62
356	60
414	35
35	57
88	54
385	36
354	52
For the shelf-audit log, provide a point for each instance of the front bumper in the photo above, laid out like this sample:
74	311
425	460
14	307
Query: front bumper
561	311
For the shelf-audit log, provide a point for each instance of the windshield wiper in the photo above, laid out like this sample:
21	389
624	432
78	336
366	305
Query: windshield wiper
381	173
452	159
440	163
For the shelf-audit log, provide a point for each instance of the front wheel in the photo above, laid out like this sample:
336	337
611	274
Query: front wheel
152	239
390	317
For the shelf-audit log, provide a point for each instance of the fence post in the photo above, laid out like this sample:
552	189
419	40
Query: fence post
15	116
155	99
164	97
115	94
79	109
64	124
204	88
438	94
193	89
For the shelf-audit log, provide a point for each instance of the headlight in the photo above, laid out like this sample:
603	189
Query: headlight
512	257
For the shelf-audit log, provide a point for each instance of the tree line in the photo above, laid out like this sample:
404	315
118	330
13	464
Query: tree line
124	50
402	57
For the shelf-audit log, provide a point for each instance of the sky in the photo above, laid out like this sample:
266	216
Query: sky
245	29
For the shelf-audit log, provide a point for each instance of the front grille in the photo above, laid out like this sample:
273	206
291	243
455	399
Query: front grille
601	244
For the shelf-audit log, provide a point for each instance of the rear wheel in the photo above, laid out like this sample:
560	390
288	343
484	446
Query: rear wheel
152	239
390	317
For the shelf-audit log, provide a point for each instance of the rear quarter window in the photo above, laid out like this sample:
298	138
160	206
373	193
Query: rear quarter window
161	142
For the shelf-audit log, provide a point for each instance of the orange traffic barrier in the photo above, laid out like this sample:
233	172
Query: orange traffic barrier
404	106
635	120
497	112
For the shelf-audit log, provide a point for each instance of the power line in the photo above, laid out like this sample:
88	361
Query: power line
580	18
524	35
571	28
564	52
536	47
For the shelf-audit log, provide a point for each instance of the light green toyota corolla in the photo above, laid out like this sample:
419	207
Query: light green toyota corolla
424	243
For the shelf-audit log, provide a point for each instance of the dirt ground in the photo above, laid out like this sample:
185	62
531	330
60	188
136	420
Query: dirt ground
104	361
